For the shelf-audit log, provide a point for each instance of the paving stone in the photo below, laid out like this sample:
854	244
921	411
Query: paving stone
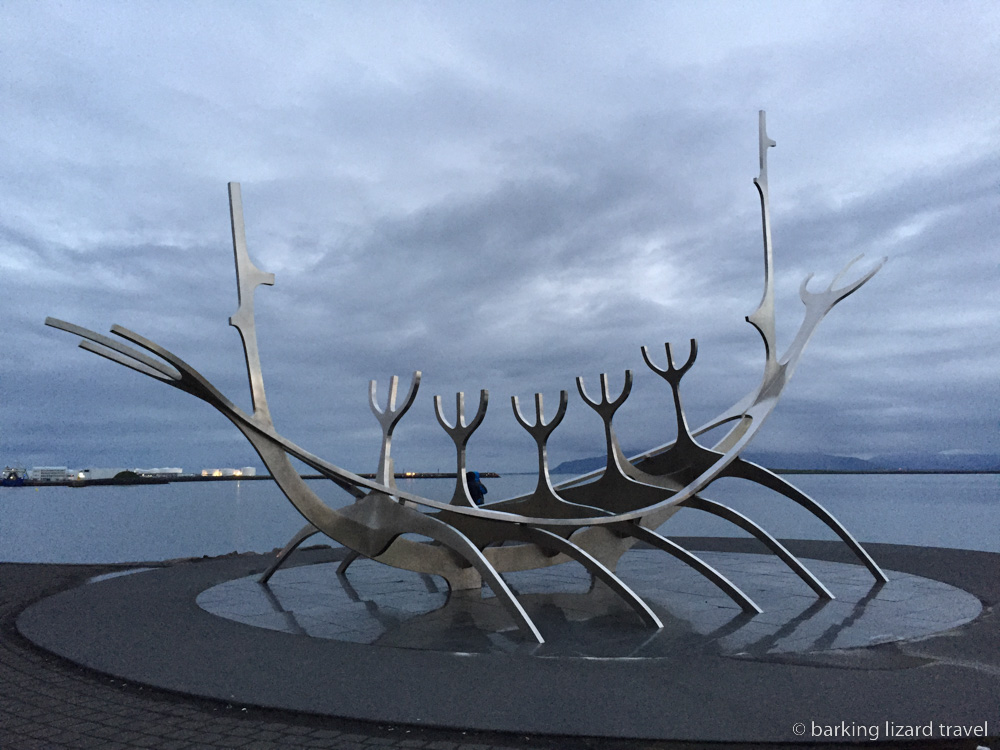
232	741
148	741
31	743
130	738
9	720
62	722
90	743
42	732
313	742
273	725
66	739
359	738
115	720
268	735
326	733
174	745
240	730
209	738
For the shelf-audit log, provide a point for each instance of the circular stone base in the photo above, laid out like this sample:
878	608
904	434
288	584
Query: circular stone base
382	606
394	647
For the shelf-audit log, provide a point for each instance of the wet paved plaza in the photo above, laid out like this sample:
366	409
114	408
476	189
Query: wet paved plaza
382	606
393	651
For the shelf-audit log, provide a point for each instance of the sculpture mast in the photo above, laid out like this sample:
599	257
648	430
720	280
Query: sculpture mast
248	278
763	317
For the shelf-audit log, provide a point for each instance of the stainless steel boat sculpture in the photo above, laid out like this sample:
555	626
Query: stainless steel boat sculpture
593	519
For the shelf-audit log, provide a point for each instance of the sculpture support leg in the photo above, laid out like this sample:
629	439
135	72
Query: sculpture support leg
346	562
662	543
746	470
733	516
304	533
461	545
553	541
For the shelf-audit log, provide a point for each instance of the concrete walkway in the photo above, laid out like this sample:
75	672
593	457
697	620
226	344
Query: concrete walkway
47	702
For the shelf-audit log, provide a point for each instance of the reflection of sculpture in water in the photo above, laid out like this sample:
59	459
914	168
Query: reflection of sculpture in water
593	519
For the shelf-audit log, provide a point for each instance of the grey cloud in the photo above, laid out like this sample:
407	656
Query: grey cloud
503	201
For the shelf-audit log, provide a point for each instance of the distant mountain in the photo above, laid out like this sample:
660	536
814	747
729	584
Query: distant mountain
811	461
912	461
938	461
586	465
580	465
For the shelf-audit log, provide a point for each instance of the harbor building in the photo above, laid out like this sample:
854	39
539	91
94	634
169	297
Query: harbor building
49	474
246	471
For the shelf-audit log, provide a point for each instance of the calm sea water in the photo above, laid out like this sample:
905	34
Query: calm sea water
159	522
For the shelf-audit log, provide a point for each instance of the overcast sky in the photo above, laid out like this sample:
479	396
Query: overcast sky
504	196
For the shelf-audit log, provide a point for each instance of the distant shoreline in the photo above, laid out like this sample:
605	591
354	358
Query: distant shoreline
130	481
886	471
450	475
832	471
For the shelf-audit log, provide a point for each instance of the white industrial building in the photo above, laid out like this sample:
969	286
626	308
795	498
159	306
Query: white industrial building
49	474
246	471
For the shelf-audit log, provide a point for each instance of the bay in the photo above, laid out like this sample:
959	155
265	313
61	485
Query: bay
160	522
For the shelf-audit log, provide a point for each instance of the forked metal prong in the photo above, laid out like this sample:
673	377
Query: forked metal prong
391	414
672	374
460	434
830	296
606	406
460	427
388	418
439	412
540	427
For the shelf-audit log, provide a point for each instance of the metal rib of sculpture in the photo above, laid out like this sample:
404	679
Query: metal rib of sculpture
593	519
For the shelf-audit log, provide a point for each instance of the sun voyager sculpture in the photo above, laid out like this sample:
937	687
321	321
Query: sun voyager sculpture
592	520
